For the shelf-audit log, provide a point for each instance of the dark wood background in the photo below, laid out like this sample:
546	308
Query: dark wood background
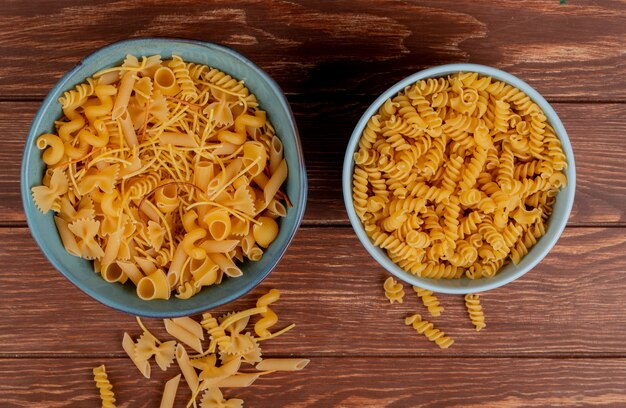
555	337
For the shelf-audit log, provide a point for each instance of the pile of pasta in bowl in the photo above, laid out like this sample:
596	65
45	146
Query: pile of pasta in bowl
165	173
457	176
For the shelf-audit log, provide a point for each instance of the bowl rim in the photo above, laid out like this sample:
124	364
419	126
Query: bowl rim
111	301
556	224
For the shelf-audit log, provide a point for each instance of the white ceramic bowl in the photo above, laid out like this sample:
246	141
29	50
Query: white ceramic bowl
508	273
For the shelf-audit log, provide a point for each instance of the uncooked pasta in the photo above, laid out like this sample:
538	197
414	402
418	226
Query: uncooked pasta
165	173
457	176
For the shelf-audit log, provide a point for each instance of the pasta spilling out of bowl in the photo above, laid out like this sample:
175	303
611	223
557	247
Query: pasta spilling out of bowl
165	173
457	176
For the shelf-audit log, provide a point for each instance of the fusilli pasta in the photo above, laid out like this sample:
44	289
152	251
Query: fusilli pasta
457	176
393	290
475	311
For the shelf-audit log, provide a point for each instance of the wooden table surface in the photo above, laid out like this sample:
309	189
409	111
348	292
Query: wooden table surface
557	336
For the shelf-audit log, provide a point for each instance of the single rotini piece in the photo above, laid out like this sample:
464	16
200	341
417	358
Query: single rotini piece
141	186
428	329
434	156
394	290
469	224
104	386
77	96
451	213
216	331
502	113
396	132
554	149
429	300
534	167
473	169
537	130
392	244
360	192
452	173
475	311
428	86
196	71
188	89
221	81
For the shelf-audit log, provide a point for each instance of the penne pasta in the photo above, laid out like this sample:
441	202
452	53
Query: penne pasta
169	392
191	378
187	331
282	364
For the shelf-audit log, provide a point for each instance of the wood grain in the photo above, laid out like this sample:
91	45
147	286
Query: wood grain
338	382
332	290
555	337
599	149
570	51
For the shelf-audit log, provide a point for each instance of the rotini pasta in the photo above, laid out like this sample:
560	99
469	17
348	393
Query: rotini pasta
393	290
104	386
428	329
457	176
475	311
429	300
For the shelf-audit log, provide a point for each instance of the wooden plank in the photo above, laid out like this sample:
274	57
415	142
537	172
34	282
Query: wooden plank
569	51
571	304
599	146
338	382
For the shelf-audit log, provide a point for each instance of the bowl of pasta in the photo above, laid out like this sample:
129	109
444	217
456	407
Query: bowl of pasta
459	178
170	168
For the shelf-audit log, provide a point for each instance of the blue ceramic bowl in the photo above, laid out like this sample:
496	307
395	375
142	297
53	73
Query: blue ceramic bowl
123	297
510	272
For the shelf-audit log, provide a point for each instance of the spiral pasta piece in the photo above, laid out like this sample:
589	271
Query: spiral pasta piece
475	311
428	86
142	186
452	173
268	318
78	95
181	71
222	81
428	329
216	331
429	300
104	386
394	291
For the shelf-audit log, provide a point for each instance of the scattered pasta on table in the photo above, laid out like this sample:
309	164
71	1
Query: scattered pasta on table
165	173
431	303
232	359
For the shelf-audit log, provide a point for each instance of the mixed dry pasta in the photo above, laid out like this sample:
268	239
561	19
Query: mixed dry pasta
165	173
232	359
